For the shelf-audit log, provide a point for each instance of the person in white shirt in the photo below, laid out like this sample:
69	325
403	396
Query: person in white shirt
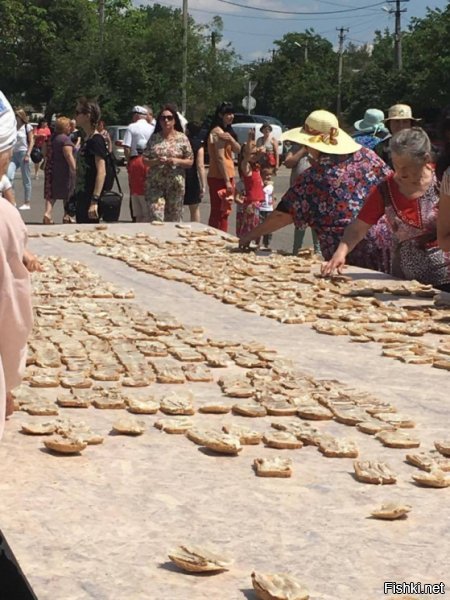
6	190
138	130
21	156
266	206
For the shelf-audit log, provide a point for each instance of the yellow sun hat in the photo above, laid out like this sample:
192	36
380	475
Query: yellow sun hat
321	131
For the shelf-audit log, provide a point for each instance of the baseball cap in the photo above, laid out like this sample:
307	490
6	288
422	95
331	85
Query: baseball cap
139	110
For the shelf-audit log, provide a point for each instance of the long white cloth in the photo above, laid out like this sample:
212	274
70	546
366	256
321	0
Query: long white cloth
8	125
16	318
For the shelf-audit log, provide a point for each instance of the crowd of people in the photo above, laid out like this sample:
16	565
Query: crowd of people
378	199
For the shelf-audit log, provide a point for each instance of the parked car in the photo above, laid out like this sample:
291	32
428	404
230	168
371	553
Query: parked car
117	133
244	118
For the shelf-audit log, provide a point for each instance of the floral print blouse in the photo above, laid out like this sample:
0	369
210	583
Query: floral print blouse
329	195
177	146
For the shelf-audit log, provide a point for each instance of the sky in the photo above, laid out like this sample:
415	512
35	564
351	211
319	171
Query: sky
252	32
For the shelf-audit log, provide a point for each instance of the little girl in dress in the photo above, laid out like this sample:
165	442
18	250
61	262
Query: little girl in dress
247	214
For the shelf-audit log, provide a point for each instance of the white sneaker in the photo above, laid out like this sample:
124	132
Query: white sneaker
25	207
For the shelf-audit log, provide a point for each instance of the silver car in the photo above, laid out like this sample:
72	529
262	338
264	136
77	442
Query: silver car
117	133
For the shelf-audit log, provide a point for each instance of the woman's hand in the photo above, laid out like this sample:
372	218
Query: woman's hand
31	262
229	188
337	263
225	136
93	210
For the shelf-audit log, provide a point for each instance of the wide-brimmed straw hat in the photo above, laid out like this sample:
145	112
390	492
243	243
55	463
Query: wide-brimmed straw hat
321	131
22	115
400	111
372	122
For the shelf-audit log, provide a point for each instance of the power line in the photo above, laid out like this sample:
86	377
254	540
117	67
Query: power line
288	12
281	19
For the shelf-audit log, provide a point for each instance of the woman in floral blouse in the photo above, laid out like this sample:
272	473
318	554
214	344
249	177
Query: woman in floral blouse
329	194
168	154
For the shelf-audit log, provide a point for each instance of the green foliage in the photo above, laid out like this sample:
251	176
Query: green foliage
296	81
53	52
56	50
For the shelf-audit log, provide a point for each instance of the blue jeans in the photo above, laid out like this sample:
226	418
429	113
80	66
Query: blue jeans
17	161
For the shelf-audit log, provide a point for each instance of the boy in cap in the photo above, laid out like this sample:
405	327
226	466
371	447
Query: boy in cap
137	176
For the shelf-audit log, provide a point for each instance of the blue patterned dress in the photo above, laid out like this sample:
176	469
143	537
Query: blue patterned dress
328	197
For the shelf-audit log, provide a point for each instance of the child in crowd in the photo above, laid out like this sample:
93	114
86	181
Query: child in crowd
266	206
137	176
247	215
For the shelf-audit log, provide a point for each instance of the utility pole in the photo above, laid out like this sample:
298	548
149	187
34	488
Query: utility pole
342	31
185	58
101	20
305	50
398	31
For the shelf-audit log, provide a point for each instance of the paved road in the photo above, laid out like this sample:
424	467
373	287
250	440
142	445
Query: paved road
282	240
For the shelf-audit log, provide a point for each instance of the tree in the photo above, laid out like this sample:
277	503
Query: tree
292	84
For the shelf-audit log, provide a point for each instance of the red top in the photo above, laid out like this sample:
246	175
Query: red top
41	135
254	189
137	174
373	208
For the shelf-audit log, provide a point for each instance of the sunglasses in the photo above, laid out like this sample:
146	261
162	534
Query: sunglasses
166	117
80	112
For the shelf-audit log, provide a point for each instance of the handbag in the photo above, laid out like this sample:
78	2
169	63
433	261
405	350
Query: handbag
36	155
110	202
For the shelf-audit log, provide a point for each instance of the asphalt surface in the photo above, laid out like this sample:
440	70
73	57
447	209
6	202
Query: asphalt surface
282	239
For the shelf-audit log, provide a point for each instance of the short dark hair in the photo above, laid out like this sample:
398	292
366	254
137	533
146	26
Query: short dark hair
193	128
91	108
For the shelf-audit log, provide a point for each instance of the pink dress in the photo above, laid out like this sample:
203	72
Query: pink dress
247	214
16	317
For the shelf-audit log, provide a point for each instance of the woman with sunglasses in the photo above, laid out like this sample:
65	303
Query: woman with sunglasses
168	155
222	143
91	163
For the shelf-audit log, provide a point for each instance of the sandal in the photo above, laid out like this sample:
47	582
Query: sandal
47	220
68	219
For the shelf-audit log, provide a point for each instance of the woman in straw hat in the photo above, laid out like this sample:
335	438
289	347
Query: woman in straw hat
399	117
409	198
15	297
329	194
